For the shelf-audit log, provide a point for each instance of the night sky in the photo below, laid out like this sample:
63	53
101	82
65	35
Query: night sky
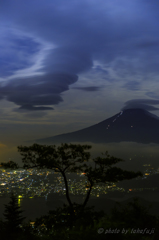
68	64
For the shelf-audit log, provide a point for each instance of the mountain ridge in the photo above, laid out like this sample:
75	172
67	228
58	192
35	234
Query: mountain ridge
130	125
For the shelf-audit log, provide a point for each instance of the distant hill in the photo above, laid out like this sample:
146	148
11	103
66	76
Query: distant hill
106	204
130	125
151	181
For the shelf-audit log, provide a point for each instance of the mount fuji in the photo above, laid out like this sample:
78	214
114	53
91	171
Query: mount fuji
130	125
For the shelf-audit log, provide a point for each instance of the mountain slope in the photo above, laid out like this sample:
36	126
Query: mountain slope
135	125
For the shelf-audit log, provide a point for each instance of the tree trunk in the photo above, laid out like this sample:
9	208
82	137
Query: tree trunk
88	196
72	214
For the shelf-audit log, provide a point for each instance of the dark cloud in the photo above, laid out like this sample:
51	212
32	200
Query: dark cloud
113	33
33	92
31	108
68	59
88	89
106	31
148	44
146	104
132	85
153	94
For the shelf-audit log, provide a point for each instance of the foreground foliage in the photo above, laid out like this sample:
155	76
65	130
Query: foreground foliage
73	220
73	158
120	224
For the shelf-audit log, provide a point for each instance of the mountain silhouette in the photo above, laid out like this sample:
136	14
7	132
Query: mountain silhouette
130	125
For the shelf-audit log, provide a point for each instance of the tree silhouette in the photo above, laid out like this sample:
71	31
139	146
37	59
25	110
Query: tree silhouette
73	158
13	218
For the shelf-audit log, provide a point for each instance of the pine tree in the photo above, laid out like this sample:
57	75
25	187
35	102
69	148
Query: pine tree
13	216
74	158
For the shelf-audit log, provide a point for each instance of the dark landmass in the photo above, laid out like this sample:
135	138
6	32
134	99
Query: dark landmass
37	207
149	182
130	125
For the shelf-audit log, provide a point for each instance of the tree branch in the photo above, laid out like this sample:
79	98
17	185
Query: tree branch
88	195
67	190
